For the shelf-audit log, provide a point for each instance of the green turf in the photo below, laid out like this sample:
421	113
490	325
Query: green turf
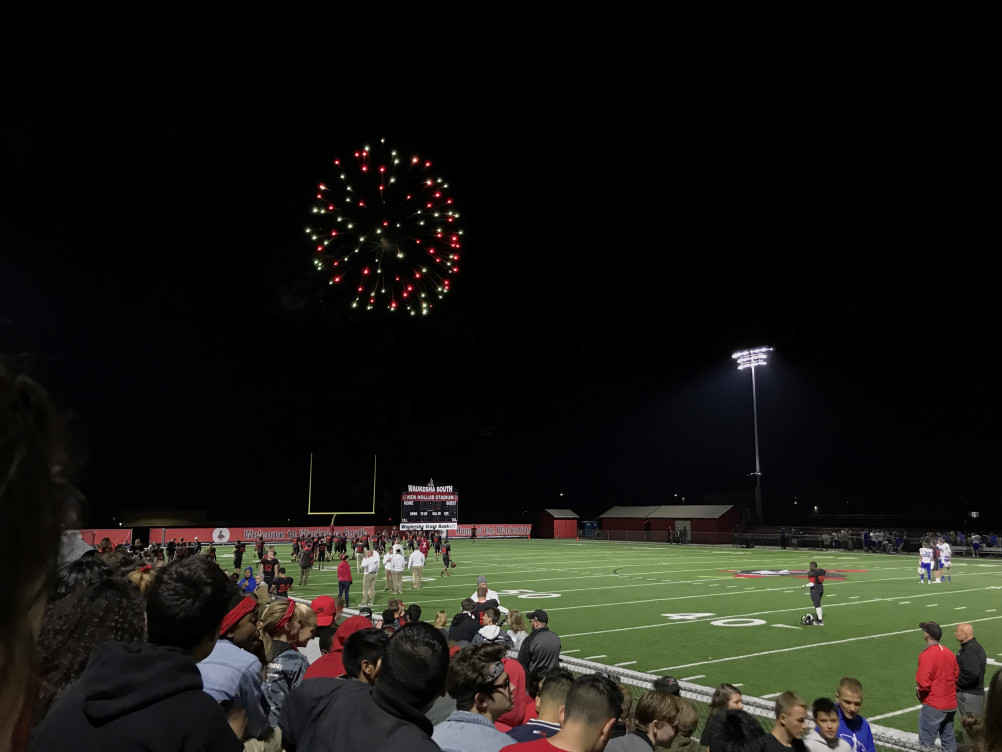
611	602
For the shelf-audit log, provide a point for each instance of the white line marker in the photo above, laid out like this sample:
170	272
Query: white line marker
930	605
770	695
903	603
813	646
737	685
590	657
853	596
625	663
697	676
989	610
959	608
575	650
896	712
784	626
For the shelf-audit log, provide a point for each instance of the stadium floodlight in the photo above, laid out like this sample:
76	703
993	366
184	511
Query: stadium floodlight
751	359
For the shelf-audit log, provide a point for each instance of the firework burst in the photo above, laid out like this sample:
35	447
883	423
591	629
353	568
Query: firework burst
386	228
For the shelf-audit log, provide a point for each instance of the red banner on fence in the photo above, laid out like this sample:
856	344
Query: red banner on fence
226	535
229	535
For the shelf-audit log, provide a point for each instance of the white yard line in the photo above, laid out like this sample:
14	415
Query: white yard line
697	676
896	712
624	663
593	657
720	616
803	647
770	695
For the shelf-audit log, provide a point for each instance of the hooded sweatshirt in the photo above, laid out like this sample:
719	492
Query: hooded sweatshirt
464	627
332	664
131	696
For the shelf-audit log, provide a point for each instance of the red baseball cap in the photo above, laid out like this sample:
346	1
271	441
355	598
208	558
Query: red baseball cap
325	609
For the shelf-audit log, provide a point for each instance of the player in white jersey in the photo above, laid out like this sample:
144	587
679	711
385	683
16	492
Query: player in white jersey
945	552
925	561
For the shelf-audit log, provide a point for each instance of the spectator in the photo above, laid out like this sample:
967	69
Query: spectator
657	718
553	688
75	626
491	632
332	664
592	707
853	728
324	715
540	651
688	722
441	623
725	697
231	673
985	731
363	653
344	579
824	737
479	684
516	628
972	662
624	724
791	721
287	627
36	499
740	732
936	689
464	624
326	610
133	692
248	583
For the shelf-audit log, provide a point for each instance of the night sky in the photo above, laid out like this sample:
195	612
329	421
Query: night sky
639	201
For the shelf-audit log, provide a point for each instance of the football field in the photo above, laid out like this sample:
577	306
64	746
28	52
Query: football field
710	615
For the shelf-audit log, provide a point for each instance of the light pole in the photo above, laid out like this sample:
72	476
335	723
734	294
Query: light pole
750	359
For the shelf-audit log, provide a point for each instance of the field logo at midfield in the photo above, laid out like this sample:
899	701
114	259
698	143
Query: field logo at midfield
830	574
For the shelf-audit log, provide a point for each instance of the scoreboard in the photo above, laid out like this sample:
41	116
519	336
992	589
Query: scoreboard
429	507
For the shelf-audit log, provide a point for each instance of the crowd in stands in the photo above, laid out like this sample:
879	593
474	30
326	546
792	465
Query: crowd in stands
185	656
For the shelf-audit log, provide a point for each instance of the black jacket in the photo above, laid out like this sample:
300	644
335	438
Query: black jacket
134	695
323	715
464	627
971	660
539	653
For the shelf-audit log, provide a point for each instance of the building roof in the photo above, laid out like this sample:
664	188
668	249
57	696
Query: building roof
561	514
673	511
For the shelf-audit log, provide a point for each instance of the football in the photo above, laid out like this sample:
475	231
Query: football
453	564
807	620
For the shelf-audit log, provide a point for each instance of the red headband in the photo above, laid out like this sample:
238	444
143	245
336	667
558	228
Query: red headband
285	619
237	613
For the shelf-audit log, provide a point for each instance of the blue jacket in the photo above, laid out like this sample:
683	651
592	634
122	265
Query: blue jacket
856	733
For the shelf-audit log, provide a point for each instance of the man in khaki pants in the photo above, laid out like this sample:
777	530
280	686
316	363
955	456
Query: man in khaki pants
370	570
397	564
416	565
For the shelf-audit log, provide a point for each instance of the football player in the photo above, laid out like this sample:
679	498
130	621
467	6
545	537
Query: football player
816	578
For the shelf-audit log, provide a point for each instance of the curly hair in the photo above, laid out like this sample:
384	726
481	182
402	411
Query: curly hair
73	627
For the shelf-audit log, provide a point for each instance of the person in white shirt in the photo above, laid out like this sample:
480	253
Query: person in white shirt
397	564
945	554
387	561
370	570
925	561
416	564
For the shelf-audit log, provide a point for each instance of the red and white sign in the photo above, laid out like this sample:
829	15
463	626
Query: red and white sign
492	531
227	535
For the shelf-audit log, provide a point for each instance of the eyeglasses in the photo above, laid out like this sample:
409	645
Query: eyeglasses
505	685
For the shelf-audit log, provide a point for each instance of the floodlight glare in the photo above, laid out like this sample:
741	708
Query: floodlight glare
751	358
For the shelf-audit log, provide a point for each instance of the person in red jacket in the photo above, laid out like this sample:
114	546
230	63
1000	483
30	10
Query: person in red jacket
343	578
936	688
